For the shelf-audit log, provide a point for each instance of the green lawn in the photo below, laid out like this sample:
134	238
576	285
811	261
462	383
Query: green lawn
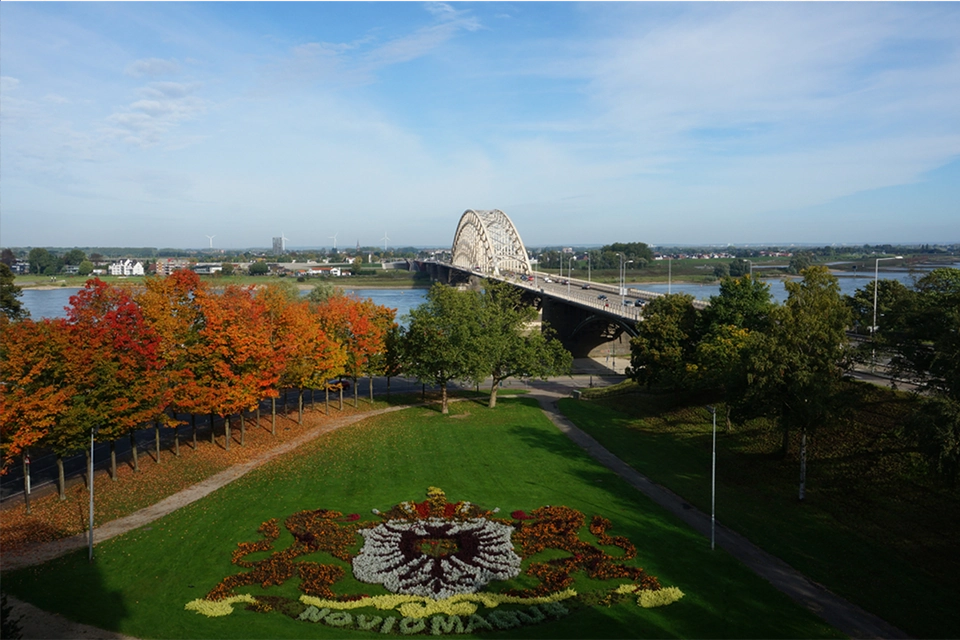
869	529
510	457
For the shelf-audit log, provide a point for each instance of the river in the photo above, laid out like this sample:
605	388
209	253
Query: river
51	303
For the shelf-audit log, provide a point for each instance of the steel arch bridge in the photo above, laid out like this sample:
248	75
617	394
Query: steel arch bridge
486	241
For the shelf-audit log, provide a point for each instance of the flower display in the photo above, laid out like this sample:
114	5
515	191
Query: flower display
437	559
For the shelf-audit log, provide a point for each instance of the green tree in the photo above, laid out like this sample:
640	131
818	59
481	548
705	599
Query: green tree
85	268
739	267
742	302
891	295
42	261
321	292
936	427
443	338
799	262
795	369
10	305
258	269
663	351
510	346
74	257
226	269
721	271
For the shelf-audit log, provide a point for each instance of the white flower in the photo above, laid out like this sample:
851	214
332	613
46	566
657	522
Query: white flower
436	558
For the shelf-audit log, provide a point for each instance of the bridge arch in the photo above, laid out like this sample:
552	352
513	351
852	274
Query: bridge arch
487	241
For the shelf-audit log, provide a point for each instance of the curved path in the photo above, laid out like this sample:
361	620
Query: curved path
841	614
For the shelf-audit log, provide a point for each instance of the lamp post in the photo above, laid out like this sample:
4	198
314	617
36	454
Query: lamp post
93	432
669	275
713	482
876	283
588	267
623	270
569	273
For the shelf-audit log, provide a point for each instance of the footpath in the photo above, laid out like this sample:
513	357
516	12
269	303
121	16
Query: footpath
836	611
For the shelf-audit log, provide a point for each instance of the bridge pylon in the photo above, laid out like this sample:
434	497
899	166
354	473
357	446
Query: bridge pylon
487	242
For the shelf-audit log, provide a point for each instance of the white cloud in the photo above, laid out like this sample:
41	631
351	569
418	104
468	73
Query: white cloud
164	105
152	67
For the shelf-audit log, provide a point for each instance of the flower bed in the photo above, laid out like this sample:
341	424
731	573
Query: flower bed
437	559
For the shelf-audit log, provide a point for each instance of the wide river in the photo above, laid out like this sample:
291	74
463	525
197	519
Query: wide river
50	303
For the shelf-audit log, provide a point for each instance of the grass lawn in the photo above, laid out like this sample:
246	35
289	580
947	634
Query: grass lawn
510	457
871	529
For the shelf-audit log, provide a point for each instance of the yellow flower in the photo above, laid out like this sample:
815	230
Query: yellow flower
215	609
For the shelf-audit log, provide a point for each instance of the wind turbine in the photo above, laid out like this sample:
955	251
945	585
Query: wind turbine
334	238
211	240
283	242
384	238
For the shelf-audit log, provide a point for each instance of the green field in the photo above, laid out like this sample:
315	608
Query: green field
874	529
511	457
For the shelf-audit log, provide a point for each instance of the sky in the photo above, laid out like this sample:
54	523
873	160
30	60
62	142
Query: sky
159	124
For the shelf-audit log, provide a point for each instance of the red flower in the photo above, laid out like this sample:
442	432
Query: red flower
519	514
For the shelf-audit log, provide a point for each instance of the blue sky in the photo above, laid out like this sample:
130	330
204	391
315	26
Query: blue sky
158	124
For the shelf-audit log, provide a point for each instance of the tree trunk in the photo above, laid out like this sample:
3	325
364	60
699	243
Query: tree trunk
785	443
113	460
26	480
356	397
371	388
313	398
176	439
341	397
226	433
193	425
213	433
388	386
156	439
803	464
326	401
494	387
243	430
61	480
258	415
273	416
86	467
443	399
133	450
300	406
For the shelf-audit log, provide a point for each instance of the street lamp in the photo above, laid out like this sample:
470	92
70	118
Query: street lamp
622	274
876	282
713	482
569	273
588	267
93	432
669	275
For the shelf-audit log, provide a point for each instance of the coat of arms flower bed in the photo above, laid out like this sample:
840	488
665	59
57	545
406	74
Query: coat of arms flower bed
440	562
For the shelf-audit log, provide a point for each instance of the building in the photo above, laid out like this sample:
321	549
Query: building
126	268
278	246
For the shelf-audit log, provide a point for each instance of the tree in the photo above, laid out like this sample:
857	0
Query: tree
511	348
35	391
924	332
795	369
258	269
85	268
74	257
891	295
321	292
10	305
739	267
442	339
226	268
113	357
799	262
42	261
936	427
240	365
742	302
663	351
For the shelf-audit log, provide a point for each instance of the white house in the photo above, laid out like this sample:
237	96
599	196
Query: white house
126	268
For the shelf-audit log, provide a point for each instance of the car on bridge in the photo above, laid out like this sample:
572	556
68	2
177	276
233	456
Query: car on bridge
602	296
586	286
639	303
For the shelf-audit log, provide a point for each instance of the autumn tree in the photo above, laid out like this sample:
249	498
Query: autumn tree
511	347
112	357
239	363
10	305
33	389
